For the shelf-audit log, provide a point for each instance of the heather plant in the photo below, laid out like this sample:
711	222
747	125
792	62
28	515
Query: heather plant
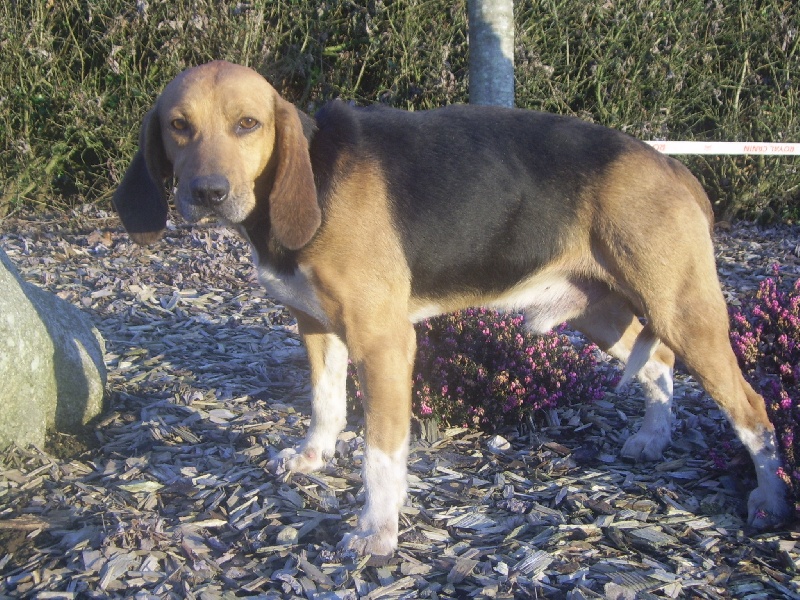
765	334
480	368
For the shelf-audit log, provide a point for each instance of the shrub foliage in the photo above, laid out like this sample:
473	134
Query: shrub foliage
480	368
765	334
78	75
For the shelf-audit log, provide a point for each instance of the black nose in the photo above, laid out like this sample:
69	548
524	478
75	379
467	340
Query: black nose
210	190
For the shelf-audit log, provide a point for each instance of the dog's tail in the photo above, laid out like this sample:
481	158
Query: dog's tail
643	349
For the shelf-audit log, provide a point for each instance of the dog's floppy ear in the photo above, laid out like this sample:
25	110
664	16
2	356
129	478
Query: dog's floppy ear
293	208
140	199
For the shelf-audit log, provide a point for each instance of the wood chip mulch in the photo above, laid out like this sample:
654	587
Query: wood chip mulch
175	492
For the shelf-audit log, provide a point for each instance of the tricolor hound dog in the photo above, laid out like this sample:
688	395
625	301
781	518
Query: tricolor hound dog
365	220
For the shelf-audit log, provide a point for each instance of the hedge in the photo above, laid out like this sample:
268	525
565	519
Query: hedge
76	76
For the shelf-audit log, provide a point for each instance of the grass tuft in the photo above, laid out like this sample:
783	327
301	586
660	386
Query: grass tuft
78	75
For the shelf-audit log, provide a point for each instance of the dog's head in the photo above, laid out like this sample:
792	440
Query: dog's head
231	143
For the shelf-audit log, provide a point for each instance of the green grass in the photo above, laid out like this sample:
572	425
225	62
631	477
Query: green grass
675	69
76	76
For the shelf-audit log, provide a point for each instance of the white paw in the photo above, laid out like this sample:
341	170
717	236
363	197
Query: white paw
307	460
767	507
377	543
646	445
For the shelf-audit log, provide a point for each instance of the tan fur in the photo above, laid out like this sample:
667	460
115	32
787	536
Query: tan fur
367	301
294	212
208	146
705	349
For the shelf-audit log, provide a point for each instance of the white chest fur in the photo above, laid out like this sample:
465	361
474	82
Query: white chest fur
292	290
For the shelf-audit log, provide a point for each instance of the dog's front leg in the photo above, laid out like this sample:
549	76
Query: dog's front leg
385	369
327	357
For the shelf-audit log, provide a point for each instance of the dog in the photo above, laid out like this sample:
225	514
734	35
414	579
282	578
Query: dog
363	221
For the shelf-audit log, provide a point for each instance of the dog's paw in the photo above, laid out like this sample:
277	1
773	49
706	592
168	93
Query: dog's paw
307	460
646	445
380	543
767	508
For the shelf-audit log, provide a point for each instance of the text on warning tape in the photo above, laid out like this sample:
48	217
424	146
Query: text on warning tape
769	148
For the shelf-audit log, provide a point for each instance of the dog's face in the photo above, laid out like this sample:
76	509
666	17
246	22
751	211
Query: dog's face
218	133
232	144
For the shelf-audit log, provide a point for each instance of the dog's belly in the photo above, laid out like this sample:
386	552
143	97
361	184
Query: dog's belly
546	302
546	299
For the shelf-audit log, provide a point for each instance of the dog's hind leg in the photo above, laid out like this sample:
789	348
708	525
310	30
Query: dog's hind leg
660	256
672	276
612	325
696	327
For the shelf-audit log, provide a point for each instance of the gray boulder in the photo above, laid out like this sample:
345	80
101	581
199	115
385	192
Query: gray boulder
52	374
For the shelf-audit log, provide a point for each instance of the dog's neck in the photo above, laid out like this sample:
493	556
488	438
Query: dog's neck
267	250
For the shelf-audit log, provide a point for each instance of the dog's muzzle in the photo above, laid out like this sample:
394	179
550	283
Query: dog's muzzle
209	191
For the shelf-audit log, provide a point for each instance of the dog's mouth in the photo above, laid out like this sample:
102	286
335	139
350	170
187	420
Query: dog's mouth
209	196
190	211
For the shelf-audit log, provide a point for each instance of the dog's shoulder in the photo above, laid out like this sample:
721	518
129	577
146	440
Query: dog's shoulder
336	136
337	124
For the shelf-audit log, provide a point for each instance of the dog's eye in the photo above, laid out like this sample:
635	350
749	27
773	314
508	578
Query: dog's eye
247	123
180	124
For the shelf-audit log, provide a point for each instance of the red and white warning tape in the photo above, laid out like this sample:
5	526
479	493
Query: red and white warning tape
727	148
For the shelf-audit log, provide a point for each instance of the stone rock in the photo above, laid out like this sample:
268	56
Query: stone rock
52	374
